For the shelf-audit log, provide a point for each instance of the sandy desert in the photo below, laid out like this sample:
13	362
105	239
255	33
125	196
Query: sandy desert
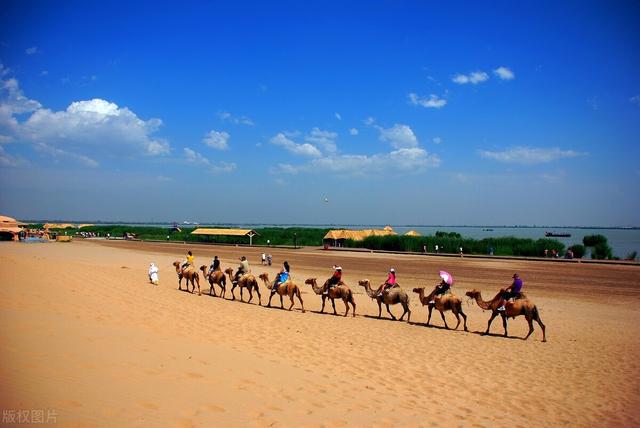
86	336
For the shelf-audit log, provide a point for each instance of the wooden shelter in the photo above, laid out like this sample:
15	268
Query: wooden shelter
226	232
9	228
338	236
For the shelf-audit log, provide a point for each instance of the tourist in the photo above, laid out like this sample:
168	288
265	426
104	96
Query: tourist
269	259
281	277
389	283
512	291
243	268
440	289
188	262
334	280
264	259
215	265
153	273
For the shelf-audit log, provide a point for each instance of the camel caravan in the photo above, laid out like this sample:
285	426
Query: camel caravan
508	303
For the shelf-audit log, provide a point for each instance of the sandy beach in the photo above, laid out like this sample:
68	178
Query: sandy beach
86	339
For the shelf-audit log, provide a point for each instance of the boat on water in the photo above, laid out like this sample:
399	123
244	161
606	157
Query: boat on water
557	234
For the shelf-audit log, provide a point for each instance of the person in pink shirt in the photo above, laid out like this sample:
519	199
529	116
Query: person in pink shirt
390	282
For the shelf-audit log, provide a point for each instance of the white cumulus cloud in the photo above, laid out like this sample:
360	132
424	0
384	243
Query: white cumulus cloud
530	155
353	131
432	101
32	50
400	136
436	140
504	73
217	140
304	149
324	139
96	125
473	78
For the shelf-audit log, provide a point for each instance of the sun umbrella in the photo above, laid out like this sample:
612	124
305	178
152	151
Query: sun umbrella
446	277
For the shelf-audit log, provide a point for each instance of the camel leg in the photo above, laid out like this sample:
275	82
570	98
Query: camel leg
406	311
530	322
539	321
324	298
379	309
241	294
198	282
259	296
250	295
346	306
212	291
333	303
354	307
464	317
270	297
458	319
301	302
281	302
291	297
233	296
430	310
493	315
504	324
445	320
391	313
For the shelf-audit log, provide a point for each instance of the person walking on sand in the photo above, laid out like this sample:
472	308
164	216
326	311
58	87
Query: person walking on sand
390	282
153	273
264	259
512	291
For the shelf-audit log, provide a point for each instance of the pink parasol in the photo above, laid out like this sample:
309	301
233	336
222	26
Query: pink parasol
446	277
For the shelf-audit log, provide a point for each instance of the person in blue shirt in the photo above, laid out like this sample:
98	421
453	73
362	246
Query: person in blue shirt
282	276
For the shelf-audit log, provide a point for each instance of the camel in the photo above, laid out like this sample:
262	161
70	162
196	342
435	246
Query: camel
190	274
389	297
247	281
446	302
215	277
512	309
288	287
340	291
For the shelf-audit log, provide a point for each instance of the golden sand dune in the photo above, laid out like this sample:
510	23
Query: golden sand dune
82	332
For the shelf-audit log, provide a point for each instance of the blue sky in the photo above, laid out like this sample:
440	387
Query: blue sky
384	113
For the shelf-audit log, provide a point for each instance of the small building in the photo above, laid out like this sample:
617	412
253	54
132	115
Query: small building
226	232
10	228
412	233
337	237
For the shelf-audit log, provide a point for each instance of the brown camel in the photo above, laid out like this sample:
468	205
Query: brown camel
215	277
288	287
190	274
512	309
389	297
340	291
247	281
445	302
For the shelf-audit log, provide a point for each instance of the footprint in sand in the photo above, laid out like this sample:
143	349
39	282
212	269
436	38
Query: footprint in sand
185	423
194	375
214	408
147	405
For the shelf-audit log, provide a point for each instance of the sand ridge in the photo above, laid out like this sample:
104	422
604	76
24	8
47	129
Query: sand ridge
83	332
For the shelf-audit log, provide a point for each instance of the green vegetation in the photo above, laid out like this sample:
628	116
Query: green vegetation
600	249
593	240
579	250
450	243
